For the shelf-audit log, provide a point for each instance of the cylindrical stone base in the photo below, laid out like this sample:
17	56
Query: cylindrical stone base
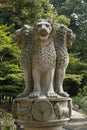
42	114
44	128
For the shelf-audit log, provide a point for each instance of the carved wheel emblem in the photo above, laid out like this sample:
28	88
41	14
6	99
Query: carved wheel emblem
42	110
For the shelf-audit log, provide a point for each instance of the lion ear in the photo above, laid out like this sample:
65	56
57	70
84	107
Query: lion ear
70	37
27	27
51	23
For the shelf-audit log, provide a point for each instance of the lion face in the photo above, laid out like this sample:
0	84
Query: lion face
70	37
21	35
16	37
43	29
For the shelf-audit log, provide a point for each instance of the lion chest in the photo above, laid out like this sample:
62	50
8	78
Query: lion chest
44	57
62	58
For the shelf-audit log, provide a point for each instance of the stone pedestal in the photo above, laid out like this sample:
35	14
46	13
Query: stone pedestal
44	128
42	113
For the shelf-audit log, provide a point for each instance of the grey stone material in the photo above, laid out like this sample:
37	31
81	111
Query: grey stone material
23	39
63	38
42	110
44	58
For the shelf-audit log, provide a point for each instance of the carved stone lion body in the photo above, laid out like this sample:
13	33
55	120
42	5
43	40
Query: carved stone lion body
23	39
44	58
63	38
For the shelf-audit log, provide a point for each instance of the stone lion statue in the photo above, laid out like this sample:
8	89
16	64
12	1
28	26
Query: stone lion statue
38	58
44	57
63	38
23	38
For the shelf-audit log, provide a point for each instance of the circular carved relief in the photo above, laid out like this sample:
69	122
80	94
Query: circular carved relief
42	110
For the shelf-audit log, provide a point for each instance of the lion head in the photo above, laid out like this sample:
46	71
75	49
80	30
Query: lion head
21	35
43	28
70	37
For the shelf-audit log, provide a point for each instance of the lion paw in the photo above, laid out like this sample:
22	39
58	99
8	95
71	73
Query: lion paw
64	94
22	95
52	95
34	95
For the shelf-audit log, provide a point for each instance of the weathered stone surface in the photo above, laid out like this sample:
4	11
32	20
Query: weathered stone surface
63	37
42	111
44	58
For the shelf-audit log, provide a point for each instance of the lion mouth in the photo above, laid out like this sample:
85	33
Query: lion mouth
43	35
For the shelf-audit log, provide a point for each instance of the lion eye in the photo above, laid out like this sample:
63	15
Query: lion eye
39	25
47	25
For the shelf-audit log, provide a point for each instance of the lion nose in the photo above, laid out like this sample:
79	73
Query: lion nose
43	27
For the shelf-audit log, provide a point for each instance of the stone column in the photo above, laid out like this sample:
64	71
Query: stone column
42	113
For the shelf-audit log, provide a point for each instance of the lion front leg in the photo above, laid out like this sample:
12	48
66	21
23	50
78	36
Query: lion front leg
48	84
59	78
28	80
37	88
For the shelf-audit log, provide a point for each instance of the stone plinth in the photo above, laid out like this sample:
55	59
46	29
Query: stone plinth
42	113
44	128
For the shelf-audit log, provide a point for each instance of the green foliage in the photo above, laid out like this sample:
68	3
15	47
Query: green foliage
7	119
76	11
76	65
63	20
76	77
28	11
81	101
72	83
11	77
